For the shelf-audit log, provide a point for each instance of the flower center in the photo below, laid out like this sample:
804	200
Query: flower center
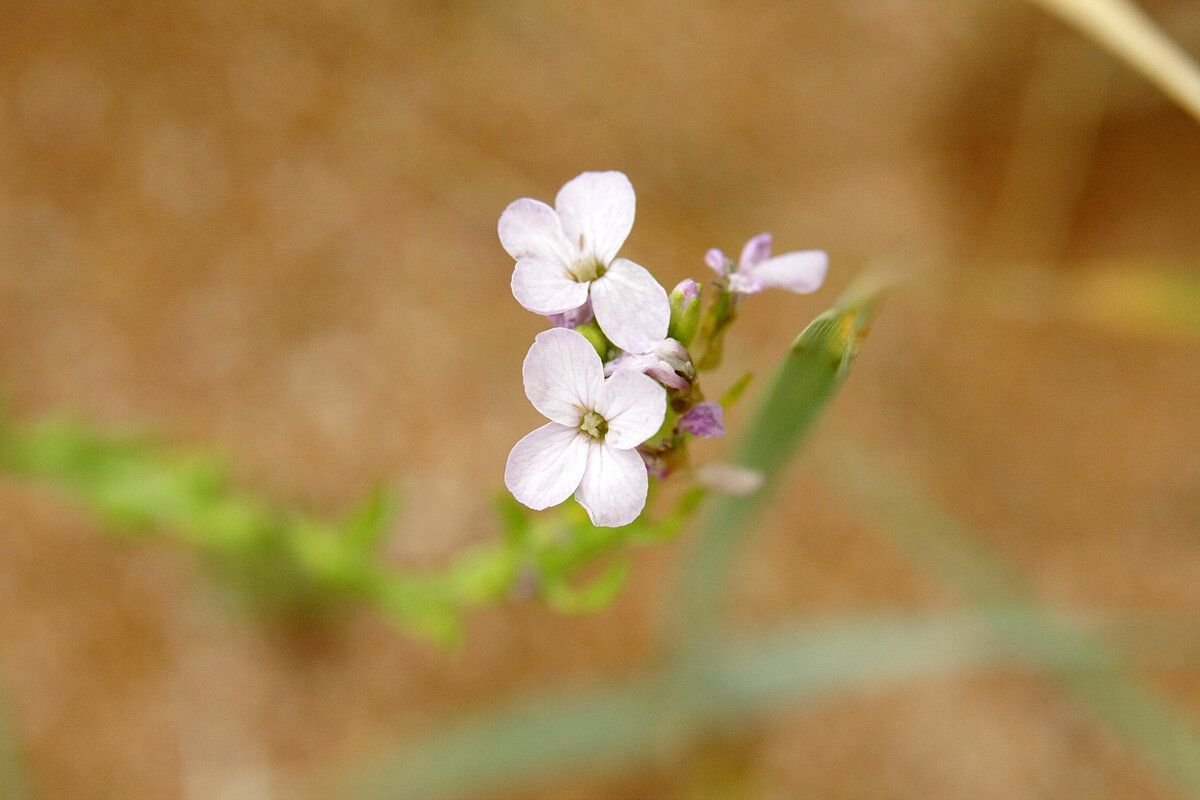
586	269
593	425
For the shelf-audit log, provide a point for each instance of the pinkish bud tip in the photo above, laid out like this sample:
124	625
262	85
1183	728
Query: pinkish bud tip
688	290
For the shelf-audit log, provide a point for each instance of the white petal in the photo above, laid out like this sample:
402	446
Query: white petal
756	251
530	228
802	271
613	490
563	375
546	466
634	406
596	210
544	287
631	307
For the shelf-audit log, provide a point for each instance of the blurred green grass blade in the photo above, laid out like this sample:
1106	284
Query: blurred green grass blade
13	783
1162	735
617	728
810	374
1125	30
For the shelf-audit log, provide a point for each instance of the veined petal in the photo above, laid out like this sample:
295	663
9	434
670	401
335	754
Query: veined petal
634	407
613	489
529	228
631	307
596	210
543	286
546	465
563	375
756	251
802	271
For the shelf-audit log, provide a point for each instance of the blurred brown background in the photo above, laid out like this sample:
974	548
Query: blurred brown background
270	228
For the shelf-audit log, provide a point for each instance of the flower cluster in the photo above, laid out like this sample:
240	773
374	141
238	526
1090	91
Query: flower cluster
616	376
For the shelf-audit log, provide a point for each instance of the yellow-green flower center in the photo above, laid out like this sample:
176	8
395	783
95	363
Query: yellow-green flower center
593	425
586	269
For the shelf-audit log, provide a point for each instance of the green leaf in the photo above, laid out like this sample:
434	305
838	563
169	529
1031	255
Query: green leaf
618	727
591	597
811	373
13	782
371	521
1164	735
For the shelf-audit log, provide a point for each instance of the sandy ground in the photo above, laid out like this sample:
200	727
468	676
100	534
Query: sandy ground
270	228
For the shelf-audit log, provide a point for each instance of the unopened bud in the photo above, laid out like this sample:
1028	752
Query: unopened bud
685	311
704	419
591	331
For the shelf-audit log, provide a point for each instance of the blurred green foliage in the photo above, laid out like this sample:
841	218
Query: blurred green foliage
287	560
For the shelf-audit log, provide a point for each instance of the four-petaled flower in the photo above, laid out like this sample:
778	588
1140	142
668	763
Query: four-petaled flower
588	447
801	271
568	253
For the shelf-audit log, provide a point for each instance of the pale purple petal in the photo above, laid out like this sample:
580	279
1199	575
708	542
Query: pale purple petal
634	407
563	375
802	271
704	419
715	260
544	287
668	377
596	210
756	251
631	307
676	356
648	364
613	489
529	228
574	318
546	466
634	362
745	283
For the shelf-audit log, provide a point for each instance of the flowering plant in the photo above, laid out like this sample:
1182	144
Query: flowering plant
616	376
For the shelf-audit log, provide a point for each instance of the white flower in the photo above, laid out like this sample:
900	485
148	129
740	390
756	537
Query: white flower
567	253
596	423
801	271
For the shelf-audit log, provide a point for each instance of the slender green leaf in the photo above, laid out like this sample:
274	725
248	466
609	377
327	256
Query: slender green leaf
811	373
619	727
13	782
1165	737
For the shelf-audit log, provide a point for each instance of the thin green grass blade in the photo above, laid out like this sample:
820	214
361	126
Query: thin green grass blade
1161	734
620	727
811	373
13	782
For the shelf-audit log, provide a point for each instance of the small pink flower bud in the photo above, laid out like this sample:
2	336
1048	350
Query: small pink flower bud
704	419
